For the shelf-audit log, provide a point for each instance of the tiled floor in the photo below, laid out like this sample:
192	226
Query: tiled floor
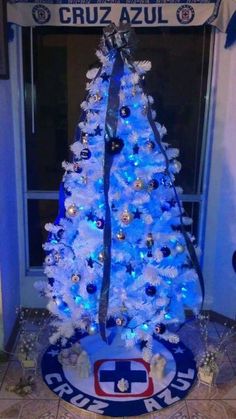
218	402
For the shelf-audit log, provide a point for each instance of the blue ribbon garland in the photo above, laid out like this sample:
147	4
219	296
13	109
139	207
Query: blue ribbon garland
120	41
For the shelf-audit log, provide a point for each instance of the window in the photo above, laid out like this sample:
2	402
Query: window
55	64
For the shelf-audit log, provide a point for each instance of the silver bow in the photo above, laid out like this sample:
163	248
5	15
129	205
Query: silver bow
120	38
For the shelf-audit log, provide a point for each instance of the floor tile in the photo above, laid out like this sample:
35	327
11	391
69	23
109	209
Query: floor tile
40	409
68	411
10	409
14	373
176	411
3	369
213	409
225	387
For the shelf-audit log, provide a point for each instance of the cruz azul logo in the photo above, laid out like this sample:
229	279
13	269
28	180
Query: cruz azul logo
121	386
185	14
41	14
108	373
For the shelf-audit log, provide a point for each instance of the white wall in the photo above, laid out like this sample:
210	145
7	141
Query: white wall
220	239
9	263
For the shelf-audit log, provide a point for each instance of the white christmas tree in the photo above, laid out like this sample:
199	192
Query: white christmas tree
118	252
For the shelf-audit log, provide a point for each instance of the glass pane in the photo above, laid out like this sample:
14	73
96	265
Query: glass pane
61	62
61	56
178	83
40	212
192	211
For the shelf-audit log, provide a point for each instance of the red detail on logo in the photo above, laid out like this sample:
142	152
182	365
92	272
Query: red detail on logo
100	392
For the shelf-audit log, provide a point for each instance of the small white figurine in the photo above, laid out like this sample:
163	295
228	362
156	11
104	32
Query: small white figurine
77	358
83	365
157	367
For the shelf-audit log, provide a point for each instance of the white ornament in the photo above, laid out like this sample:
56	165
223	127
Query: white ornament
157	367
123	385
83	365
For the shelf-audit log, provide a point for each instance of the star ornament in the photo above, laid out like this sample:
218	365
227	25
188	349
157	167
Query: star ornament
105	77
90	216
90	262
137	213
178	350
53	353
98	131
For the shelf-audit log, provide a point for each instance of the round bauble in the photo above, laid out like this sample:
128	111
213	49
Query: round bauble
153	184
150	240
92	329
120	321
75	278
77	168
120	235
57	257
179	248
49	260
91	288
160	328
138	184
84	138
126	217
101	256
165	206
150	145
124	112
59	233
72	210
97	97
100	223
150	290
114	145
165	251
144	110
85	154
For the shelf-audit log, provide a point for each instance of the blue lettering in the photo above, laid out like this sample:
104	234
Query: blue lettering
124	16
167	396
160	20
138	11
63	18
78	13
90	19
107	11
147	11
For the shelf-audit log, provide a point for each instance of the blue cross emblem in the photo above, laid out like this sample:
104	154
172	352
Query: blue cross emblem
123	370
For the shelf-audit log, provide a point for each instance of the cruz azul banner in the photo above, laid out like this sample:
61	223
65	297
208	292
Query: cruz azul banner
139	13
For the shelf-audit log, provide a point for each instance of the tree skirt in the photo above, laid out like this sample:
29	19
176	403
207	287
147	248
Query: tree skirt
121	383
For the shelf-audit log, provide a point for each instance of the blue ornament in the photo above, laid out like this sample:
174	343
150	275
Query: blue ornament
150	145
100	223
85	154
76	167
165	251
92	329
124	112
91	288
150	290
51	281
160	328
114	145
165	206
153	184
